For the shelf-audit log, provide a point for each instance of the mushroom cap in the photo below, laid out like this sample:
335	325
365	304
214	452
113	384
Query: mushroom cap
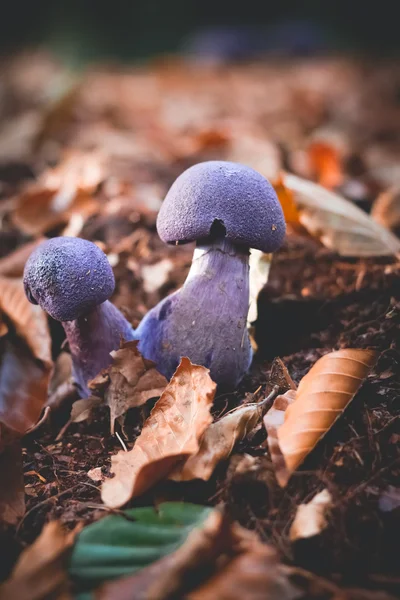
228	193
68	277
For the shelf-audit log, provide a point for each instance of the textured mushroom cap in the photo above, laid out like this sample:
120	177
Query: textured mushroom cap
233	194
68	277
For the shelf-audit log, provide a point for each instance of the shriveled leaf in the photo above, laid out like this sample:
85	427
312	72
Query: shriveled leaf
61	385
386	208
218	442
310	518
23	387
171	433
12	492
29	320
299	419
128	382
340	225
254	575
81	409
59	193
13	264
115	546
41	570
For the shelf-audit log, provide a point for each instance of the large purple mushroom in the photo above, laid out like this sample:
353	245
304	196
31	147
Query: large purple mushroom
227	209
71	279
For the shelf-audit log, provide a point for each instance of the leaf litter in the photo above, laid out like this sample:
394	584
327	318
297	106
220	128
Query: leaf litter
314	300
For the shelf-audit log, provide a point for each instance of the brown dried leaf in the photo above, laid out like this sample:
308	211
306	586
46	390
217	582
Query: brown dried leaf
23	387
60	193
128	382
171	433
12	492
254	575
386	208
29	320
218	442
286	198
299	419
310	518
41	570
164	578
340	225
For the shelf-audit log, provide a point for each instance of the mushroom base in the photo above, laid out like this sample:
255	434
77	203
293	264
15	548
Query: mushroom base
91	338
206	319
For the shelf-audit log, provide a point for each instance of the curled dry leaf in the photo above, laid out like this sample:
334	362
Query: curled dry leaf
299	419
340	225
325	163
29	320
41	570
128	382
60	193
310	518
218	442
259	264
172	432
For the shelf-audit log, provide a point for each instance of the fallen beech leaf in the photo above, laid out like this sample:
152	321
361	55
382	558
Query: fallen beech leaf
23	387
128	382
172	432
299	419
253	575
325	164
29	320
41	572
59	193
12	492
218	442
310	518
124	544
386	208
13	264
341	226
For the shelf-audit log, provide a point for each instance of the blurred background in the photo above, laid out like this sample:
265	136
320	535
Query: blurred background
122	29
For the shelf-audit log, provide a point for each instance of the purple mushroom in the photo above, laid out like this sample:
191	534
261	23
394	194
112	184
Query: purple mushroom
71	279
227	209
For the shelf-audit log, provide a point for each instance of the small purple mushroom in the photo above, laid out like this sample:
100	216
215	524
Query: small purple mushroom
71	279
227	209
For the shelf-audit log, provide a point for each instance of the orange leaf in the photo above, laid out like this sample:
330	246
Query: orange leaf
299	419
325	163
172	432
286	198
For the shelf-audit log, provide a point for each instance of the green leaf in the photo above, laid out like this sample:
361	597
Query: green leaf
119	545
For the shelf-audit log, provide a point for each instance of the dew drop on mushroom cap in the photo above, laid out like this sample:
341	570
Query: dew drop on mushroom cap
71	279
226	208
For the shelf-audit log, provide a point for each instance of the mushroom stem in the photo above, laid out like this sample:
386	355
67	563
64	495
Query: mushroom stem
91	338
206	319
